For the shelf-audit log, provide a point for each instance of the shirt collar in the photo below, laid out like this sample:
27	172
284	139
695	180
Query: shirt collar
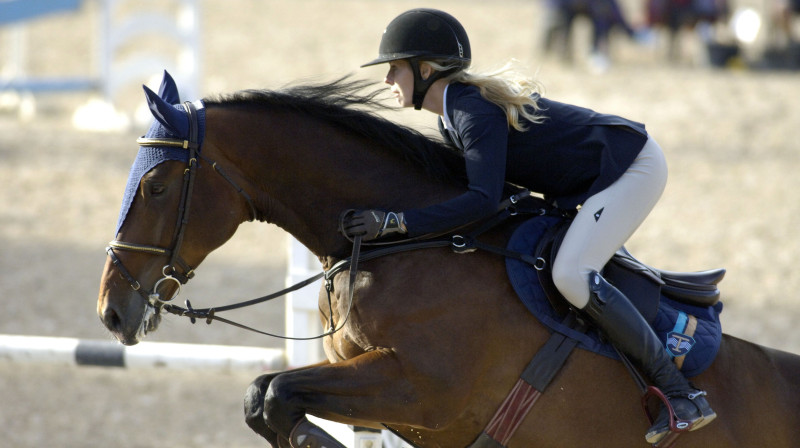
446	118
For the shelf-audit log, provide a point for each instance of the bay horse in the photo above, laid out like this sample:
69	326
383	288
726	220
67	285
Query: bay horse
428	342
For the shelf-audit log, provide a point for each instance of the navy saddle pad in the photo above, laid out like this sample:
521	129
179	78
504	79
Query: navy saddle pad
690	333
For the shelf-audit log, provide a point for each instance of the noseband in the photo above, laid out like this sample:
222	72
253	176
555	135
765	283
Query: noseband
176	270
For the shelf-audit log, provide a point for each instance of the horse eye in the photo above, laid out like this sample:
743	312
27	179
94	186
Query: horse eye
157	189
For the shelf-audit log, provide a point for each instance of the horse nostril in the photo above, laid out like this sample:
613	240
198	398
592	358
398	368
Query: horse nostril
112	320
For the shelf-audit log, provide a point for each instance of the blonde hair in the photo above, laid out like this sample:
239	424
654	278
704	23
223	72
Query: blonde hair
506	87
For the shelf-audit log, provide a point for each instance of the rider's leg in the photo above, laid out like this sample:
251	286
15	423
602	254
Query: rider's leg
606	221
621	322
603	224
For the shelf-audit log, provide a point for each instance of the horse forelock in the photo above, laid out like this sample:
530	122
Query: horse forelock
355	105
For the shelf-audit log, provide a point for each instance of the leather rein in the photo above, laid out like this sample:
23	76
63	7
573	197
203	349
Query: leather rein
459	243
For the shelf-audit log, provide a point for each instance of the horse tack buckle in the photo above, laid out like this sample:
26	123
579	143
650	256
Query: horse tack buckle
462	244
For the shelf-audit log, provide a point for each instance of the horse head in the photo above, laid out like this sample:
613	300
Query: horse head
303	155
173	214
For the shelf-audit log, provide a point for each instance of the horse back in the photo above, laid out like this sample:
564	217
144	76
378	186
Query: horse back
756	393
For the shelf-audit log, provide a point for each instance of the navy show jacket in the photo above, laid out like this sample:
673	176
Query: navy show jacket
574	153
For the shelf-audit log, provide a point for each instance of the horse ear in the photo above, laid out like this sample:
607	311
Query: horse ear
166	114
169	90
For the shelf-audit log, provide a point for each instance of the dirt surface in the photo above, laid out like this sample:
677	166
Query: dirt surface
730	136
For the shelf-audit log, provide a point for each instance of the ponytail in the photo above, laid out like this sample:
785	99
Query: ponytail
514	93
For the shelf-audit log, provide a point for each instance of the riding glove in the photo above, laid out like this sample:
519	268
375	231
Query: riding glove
372	224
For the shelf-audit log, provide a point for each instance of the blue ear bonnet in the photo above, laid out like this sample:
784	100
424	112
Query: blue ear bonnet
149	157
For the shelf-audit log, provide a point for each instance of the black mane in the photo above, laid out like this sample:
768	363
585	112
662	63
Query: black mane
344	103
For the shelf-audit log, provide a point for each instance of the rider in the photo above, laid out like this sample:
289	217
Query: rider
607	165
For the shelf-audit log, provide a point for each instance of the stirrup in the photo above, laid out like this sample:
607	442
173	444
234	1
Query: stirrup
677	425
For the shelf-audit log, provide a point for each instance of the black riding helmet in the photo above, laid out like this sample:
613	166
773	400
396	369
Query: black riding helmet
424	34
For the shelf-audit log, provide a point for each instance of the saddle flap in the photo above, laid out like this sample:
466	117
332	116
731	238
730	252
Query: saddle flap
708	278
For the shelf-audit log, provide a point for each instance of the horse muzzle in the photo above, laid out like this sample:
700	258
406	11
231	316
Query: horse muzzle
125	311
129	319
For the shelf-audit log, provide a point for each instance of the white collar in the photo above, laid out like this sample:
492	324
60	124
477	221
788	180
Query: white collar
445	118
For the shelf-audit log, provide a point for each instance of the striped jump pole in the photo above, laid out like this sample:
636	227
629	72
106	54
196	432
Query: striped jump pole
69	351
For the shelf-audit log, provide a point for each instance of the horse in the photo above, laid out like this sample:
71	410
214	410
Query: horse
427	343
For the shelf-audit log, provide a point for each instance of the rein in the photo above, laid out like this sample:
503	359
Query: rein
459	243
209	314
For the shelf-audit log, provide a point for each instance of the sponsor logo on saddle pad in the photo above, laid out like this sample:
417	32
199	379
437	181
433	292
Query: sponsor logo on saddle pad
679	344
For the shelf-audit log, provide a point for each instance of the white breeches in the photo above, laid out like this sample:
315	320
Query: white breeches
606	221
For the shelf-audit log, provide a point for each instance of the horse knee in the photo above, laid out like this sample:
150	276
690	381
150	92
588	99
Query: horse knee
254	404
280	405
254	398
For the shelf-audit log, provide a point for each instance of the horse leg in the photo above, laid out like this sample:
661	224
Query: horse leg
254	406
353	391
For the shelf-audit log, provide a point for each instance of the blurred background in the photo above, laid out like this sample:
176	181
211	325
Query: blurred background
716	82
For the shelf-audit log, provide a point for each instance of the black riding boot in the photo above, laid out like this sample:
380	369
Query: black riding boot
625	327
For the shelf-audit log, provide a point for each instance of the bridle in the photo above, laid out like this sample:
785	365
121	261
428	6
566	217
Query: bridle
176	270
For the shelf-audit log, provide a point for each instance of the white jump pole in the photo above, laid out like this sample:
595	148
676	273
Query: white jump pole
302	311
302	320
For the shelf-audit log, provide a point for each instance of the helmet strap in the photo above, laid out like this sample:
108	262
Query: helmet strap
421	86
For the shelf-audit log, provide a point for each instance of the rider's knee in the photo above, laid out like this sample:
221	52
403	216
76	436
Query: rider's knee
571	282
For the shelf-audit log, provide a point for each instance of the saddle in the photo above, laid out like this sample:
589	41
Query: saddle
644	285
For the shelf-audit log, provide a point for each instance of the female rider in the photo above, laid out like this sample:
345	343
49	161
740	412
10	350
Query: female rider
607	165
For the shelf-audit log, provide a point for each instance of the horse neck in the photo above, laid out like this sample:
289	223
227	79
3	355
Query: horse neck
303	176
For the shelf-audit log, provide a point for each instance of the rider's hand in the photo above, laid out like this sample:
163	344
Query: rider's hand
372	224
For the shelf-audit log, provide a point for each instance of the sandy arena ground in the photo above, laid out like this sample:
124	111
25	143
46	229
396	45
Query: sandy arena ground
730	136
